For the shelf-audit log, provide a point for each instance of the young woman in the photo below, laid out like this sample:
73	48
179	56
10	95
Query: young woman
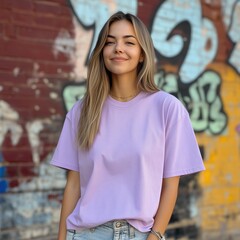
125	144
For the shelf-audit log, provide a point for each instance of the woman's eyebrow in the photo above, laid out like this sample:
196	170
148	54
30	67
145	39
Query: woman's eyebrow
125	36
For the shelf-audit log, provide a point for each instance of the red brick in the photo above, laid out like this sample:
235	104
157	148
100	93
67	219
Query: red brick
52	67
26	92
8	64
12	171
28	50
27	171
10	31
3	4
45	105
60	2
1	29
35	33
22	101
47	7
40	92
150	9
25	78
20	155
25	5
54	22
10	82
66	11
50	70
23	19
5	15
55	196
13	183
8	79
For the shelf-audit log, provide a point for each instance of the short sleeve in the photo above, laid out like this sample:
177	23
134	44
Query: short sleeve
182	154
66	152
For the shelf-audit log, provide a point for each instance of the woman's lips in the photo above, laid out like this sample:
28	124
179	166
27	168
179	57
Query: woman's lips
118	59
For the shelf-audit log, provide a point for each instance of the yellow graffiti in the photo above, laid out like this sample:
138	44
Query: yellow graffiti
219	204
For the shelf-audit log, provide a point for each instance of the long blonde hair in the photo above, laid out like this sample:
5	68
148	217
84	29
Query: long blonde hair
99	78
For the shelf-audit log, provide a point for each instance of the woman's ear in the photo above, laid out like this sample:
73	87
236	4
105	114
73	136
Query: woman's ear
141	59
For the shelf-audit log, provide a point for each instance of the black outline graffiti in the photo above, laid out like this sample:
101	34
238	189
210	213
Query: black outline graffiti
184	30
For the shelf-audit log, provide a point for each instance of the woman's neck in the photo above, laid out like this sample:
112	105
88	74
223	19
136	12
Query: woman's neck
124	85
124	89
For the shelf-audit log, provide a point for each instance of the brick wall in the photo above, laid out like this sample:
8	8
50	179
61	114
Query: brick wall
34	67
44	48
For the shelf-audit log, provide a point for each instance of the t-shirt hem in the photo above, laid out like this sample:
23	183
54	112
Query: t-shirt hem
183	172
143	229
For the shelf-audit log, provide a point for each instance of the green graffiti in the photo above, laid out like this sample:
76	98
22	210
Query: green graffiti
201	98
166	82
72	93
207	112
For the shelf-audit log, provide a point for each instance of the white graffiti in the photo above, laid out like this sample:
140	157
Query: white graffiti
168	16
65	44
33	130
8	122
231	13
49	177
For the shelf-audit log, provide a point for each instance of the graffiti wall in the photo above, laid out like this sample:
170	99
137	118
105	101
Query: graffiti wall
44	52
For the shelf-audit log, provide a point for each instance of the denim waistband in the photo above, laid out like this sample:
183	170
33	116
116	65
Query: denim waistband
115	225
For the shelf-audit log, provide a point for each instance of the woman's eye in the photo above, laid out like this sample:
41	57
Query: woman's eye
109	43
130	43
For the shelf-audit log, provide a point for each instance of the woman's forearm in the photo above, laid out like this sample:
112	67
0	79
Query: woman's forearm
166	204
70	197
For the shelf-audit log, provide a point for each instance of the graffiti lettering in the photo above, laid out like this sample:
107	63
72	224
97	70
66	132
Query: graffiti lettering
201	98
202	32
207	108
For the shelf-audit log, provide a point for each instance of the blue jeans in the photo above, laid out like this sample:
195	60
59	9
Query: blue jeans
114	230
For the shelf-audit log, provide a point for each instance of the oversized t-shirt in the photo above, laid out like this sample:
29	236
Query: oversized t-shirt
139	143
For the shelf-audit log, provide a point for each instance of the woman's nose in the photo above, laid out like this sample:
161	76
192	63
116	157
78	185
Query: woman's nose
118	47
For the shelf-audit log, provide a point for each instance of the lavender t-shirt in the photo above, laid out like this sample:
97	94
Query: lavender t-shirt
139	143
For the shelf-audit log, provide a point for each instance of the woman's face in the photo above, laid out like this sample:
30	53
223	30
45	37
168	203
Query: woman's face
122	52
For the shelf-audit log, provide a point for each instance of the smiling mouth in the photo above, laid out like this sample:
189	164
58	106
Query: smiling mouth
119	59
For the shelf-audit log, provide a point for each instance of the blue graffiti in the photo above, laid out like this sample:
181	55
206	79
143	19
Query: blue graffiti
3	183
170	45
